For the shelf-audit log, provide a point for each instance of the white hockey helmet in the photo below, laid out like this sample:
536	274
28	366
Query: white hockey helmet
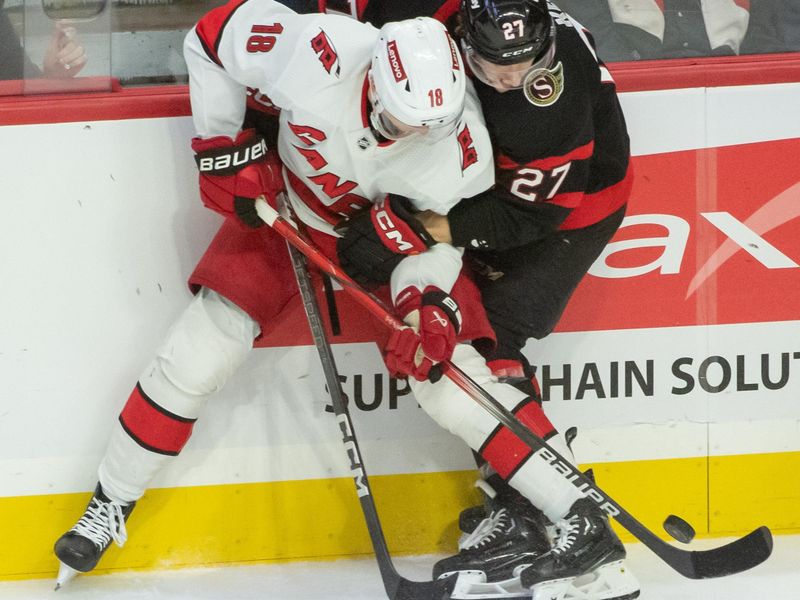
418	78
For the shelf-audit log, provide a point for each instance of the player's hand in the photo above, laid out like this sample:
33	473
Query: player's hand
435	315
404	356
234	172
375	240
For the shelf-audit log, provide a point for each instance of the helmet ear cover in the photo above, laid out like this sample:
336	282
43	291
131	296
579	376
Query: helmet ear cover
417	76
506	32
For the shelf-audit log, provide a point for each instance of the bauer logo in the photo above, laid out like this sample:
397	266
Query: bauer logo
569	472
394	62
230	161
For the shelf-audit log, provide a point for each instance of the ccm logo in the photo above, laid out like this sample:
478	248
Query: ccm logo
356	467
518	52
386	224
394	61
232	161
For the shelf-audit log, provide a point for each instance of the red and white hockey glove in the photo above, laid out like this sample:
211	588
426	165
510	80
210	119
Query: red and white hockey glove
233	173
436	318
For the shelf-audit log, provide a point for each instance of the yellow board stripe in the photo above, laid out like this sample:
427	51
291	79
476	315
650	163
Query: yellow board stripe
321	519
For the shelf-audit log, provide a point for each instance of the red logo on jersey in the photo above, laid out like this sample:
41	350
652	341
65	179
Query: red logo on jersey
469	156
394	61
321	44
307	134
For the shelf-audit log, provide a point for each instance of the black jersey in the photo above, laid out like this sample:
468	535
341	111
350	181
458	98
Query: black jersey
561	146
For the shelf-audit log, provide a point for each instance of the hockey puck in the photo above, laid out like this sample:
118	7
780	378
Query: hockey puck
679	529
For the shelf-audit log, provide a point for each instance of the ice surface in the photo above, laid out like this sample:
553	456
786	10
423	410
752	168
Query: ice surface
358	579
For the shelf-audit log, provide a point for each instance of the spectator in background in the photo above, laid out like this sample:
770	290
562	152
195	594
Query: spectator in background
595	15
63	58
652	29
774	27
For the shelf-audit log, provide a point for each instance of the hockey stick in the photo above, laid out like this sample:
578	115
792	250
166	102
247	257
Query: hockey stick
734	557
397	587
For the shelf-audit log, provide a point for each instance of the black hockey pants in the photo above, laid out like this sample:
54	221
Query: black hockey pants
537	281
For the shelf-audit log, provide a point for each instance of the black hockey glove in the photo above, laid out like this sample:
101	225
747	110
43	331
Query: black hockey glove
375	240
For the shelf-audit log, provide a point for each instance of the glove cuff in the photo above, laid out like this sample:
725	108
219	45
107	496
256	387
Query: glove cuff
397	228
407	301
432	295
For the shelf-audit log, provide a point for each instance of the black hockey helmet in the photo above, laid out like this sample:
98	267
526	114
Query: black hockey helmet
508	31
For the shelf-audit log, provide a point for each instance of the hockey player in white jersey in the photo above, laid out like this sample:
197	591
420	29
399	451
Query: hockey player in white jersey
363	114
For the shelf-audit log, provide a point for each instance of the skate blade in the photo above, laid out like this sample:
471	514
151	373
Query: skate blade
472	585
65	575
613	581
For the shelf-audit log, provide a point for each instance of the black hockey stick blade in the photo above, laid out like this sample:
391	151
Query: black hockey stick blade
735	557
439	589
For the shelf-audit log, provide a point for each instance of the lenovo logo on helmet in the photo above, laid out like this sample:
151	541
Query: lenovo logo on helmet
394	62
453	52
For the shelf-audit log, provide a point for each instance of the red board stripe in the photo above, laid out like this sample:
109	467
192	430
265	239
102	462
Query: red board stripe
171	101
117	105
153	427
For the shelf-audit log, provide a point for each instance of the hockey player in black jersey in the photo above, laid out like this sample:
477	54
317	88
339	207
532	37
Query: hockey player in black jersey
563	181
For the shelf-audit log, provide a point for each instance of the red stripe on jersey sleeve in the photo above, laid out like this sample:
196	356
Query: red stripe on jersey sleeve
597	206
209	28
551	162
153	427
567	199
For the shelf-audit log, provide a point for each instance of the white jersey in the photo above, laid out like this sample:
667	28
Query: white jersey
314	69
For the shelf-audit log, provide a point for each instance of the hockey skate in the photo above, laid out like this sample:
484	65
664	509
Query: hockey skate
587	561
492	556
80	548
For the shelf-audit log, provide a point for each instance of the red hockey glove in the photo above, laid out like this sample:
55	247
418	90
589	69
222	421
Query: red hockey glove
233	173
435	317
404	355
375	240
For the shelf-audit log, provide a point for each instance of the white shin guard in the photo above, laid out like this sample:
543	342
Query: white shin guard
451	408
202	350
